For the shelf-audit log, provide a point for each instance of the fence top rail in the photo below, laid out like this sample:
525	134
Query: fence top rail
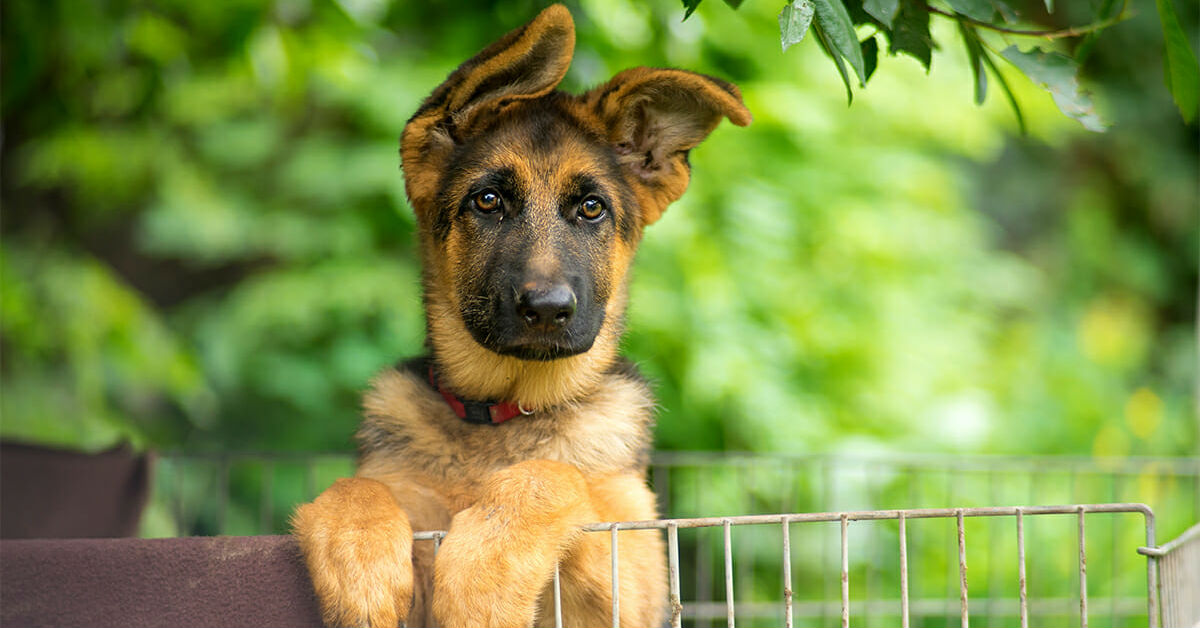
861	515
873	515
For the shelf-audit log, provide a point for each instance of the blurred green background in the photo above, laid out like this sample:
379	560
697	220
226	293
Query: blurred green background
206	244
206	249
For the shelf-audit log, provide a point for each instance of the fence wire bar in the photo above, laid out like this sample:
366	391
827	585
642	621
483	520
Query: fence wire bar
962	568
903	572
727	524
845	572
673	574
616	582
557	598
1083	612
1021	567
787	572
437	537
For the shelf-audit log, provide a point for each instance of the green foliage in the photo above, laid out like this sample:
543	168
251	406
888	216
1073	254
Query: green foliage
975	55
206	243
794	21
1182	72
69	321
882	10
1056	74
906	25
838	34
910	34
980	10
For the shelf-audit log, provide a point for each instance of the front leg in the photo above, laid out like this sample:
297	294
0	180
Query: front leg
357	543
500	552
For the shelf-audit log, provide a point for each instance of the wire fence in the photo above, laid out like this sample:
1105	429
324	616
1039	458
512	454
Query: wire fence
785	522
834	561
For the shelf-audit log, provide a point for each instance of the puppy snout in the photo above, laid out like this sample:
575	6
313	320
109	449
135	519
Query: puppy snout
546	307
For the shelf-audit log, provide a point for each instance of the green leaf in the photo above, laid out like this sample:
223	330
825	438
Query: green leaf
734	4
690	5
910	34
827	46
981	10
1056	73
835	23
1182	74
1008	92
870	53
882	10
794	21
974	53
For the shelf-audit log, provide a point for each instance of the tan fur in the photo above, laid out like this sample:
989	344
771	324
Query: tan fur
357	542
514	496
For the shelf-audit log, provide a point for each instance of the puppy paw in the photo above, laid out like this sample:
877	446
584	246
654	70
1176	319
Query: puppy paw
357	543
500	552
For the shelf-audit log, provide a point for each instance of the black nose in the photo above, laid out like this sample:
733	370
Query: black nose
546	307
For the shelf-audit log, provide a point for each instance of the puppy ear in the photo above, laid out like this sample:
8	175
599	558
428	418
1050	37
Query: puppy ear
653	118
526	63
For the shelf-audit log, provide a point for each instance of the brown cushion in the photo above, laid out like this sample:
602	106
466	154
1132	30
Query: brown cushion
52	493
199	581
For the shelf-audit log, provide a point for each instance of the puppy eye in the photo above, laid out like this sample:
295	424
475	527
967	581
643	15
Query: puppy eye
487	201
592	208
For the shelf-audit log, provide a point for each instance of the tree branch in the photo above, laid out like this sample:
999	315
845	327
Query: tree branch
1074	31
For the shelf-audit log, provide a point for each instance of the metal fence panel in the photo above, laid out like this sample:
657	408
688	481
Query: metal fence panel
861	547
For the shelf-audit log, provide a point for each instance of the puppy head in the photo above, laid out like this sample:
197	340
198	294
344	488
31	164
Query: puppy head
530	202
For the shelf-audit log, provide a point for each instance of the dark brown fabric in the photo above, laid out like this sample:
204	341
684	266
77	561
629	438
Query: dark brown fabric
208	581
51	493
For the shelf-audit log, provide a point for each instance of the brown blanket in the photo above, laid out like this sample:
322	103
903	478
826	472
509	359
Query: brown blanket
211	581
54	493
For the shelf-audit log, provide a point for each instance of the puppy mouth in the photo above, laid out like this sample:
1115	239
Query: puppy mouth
542	351
528	332
508	336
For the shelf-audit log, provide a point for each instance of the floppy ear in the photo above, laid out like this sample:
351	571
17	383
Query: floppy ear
526	63
653	118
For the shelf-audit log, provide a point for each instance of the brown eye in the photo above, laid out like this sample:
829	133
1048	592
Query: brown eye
592	208
487	202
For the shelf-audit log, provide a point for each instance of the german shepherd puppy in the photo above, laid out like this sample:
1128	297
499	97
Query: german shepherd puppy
523	423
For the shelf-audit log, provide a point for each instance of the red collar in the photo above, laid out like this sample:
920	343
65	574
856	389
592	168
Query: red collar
480	412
